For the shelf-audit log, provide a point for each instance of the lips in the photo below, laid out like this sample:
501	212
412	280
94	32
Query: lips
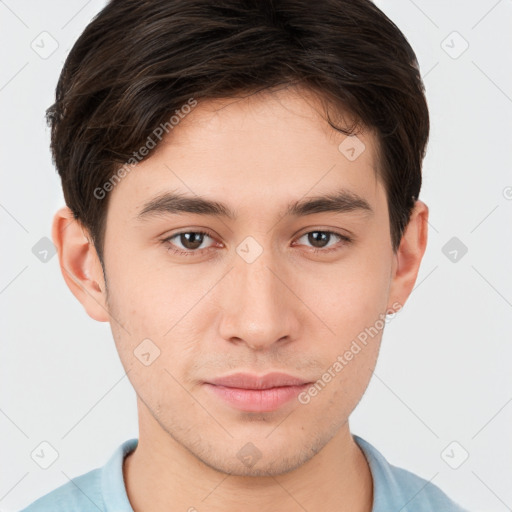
250	381
253	393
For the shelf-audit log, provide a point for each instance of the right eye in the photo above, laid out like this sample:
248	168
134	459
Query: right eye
191	242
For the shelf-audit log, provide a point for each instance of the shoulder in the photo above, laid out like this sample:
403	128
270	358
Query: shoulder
397	487
101	489
82	493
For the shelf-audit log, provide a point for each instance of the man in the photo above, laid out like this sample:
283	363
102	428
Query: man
242	185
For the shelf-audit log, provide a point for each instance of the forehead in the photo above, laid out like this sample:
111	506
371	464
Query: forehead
262	150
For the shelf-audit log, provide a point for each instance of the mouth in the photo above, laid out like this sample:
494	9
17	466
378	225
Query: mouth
253	393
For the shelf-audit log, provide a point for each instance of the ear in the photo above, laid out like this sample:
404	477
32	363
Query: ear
409	256
79	264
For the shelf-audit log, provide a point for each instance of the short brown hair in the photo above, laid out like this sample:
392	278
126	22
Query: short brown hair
139	61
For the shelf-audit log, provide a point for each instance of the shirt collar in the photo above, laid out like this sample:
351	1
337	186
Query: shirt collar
112	482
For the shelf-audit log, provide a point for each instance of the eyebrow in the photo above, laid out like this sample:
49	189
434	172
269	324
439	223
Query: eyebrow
169	203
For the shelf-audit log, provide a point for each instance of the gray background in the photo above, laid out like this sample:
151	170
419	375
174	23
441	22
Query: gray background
443	378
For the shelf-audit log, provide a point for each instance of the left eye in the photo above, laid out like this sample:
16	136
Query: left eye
320	239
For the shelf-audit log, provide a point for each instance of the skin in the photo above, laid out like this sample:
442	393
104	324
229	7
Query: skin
213	313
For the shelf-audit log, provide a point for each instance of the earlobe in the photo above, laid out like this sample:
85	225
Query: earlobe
409	255
79	264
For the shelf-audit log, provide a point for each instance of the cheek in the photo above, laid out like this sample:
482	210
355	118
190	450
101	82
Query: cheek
149	295
155	311
155	355
351	300
349	296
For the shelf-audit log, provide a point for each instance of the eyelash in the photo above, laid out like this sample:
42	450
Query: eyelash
345	239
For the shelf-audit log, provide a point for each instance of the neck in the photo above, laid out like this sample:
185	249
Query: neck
161	473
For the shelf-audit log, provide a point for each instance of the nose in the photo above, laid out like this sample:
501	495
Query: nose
259	307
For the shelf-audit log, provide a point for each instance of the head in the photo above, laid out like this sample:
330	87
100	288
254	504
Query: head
242	189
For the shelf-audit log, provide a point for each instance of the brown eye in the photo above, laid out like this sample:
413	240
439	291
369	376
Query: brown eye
191	240
322	240
187	242
319	238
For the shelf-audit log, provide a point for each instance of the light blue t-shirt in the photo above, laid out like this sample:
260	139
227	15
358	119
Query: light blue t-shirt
102	489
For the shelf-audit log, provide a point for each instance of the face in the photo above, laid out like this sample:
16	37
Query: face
265	287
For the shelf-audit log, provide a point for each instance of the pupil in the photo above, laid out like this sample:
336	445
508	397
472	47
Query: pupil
320	241
191	240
